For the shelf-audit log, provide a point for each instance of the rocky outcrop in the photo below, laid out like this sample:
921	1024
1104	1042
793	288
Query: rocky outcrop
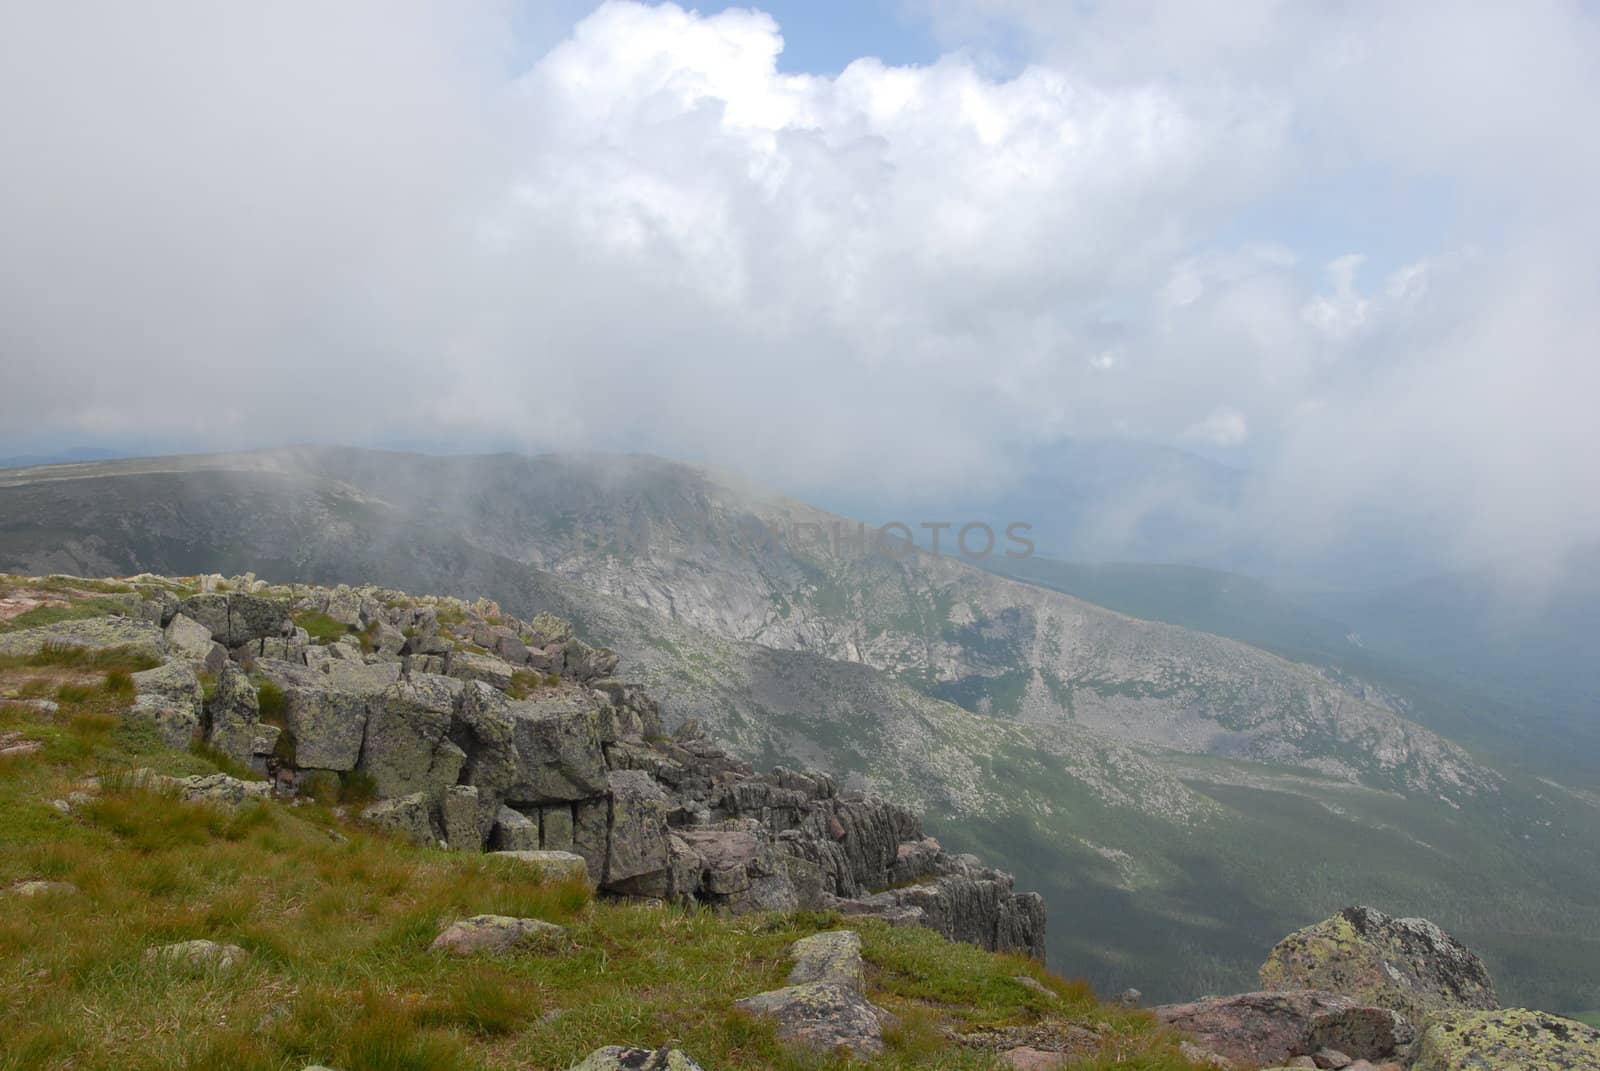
170	697
42	888
550	866
237	618
967	901
198	955
478	731
1271	1028
1389	993
628	1058
1406	964
824	1007
1509	1038
132	634
493	935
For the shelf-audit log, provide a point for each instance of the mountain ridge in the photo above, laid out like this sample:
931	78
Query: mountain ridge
1162	854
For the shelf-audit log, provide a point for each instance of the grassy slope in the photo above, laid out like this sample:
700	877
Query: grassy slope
338	922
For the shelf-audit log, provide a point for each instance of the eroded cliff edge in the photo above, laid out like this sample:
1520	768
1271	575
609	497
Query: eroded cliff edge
474	730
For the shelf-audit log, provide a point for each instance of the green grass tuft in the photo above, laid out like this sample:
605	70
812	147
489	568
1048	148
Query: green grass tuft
271	701
74	656
524	682
357	787
321	627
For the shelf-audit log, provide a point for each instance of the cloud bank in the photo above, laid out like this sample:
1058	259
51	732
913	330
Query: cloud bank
1350	249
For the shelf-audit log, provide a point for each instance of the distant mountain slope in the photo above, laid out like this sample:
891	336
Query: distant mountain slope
1455	652
1540	647
1166	870
57	457
723	558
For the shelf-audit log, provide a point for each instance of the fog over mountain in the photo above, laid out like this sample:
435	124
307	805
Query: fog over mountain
1347	251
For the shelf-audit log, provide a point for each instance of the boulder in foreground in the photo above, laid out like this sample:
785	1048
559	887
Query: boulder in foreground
628	1058
824	1007
1272	1028
492	935
1511	1038
1408	965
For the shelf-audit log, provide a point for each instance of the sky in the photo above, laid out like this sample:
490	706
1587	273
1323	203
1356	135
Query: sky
889	249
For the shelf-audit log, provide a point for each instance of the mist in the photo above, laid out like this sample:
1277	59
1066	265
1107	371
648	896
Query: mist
1348	253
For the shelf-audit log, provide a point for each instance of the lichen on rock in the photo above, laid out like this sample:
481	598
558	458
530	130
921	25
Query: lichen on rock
1406	964
1507	1038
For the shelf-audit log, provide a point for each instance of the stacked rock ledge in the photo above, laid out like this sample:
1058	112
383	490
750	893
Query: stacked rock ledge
466	728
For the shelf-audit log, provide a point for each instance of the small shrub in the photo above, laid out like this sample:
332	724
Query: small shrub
284	749
74	656
387	1037
74	693
119	682
524	682
271	701
484	1003
357	787
323	786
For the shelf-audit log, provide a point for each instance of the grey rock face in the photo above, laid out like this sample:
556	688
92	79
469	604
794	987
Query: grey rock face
171	697
1515	1039
234	714
219	789
470	666
410	816
974	904
557	743
514	832
360	678
188	638
407	746
461	813
1362	1033
638	843
327	722
237	618
556	828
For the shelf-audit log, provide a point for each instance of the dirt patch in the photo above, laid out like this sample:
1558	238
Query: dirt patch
42	682
13	744
21	600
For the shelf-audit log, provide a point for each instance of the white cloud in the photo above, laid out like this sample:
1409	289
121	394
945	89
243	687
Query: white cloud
249	224
1221	427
